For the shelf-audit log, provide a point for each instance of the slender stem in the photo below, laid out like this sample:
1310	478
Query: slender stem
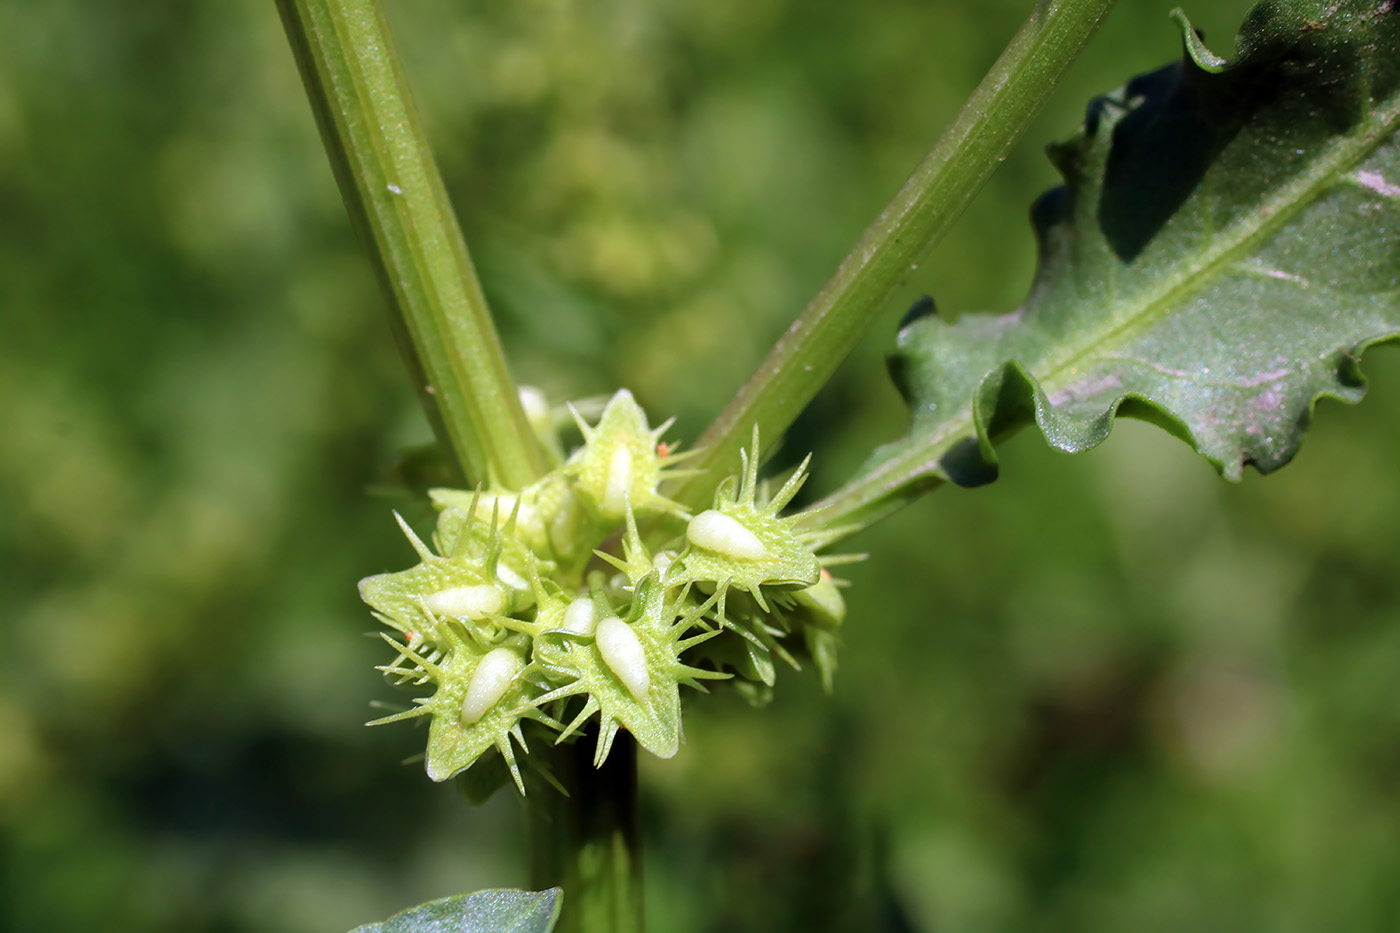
588	843
918	216
876	494
399	206
892	482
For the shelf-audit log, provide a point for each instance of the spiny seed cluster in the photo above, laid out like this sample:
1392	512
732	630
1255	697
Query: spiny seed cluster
514	616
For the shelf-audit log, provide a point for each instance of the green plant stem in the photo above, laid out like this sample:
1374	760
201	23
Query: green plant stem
587	843
805	358
399	206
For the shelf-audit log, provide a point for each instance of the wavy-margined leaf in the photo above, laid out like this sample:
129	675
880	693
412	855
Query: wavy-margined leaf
500	910
1225	246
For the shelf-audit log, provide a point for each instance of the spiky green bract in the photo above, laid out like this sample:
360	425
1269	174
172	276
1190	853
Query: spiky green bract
404	600
821	603
507	617
822	646
748	658
726	556
453	744
819	611
772	586
754	636
619	464
654	719
548	519
636	562
460	510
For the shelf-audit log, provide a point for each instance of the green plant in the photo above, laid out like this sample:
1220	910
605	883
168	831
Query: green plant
1221	255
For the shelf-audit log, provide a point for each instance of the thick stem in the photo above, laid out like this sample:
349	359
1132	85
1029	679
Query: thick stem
588	843
400	209
935	194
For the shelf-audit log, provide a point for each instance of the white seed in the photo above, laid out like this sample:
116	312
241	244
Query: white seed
501	505
522	594
618	487
662	563
529	524
563	527
510	578
490	681
581	617
473	602
723	534
528	521
622	652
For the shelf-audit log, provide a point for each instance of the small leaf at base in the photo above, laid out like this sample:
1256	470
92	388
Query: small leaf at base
498	910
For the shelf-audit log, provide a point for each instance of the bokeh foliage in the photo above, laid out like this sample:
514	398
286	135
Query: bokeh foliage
1108	692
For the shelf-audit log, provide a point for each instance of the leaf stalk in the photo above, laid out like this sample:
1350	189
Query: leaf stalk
918	216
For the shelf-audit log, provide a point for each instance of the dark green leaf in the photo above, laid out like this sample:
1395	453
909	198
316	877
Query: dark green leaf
1225	246
494	911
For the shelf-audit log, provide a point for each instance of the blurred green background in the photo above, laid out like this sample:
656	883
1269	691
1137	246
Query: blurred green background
1108	692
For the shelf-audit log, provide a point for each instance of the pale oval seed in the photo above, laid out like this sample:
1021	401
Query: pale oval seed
490	681
528	521
581	617
510	578
622	652
473	602
488	504
723	534
618	487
